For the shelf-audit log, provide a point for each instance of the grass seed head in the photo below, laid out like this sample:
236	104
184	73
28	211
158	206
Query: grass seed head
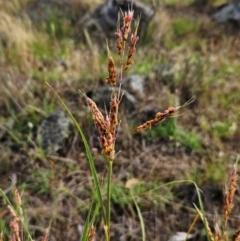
17	196
146	125
13	213
105	127
218	235
127	20
161	116
15	230
132	49
112	73
91	235
109	152
229	193
119	36
113	114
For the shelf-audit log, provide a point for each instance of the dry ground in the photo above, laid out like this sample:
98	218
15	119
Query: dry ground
183	53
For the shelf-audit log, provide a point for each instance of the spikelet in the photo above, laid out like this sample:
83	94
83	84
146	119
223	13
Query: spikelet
119	36
15	229
19	202
127	20
132	49
113	114
218	235
112	73
91	235
17	196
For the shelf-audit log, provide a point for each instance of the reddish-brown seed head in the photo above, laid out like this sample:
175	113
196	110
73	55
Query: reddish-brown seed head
127	19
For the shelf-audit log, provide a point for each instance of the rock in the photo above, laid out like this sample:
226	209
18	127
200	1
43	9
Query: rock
41	10
102	97
53	130
180	236
135	85
228	11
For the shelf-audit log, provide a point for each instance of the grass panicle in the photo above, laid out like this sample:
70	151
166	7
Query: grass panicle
229	193
228	198
162	116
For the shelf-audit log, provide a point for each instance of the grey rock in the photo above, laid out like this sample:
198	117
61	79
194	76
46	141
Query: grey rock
135	85
41	10
53	130
102	97
228	11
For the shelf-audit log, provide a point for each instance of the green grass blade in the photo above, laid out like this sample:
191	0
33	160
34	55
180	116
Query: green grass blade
89	156
140	218
90	220
87	224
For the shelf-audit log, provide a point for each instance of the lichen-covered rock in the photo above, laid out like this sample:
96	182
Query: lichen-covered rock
53	130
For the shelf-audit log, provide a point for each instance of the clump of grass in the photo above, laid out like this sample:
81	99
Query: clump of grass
19	230
222	232
17	38
57	28
107	126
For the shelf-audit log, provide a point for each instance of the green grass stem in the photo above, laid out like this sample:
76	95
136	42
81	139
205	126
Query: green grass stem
109	182
141	219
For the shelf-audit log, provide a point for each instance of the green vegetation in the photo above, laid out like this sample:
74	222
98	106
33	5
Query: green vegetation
168	130
181	27
57	28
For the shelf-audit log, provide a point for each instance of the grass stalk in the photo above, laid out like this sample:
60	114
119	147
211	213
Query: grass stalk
109	184
192	225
